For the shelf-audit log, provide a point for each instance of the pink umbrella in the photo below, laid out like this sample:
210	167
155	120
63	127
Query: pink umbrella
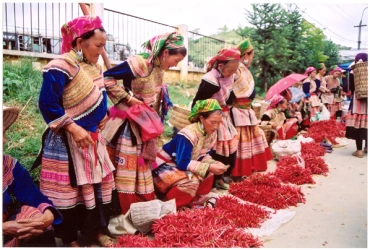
283	84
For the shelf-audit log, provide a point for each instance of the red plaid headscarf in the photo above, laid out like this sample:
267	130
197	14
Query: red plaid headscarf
224	55
76	28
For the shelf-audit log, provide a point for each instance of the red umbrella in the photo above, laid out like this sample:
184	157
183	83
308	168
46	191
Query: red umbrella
283	84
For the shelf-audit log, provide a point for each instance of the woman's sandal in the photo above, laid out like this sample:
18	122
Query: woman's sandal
105	240
358	154
220	184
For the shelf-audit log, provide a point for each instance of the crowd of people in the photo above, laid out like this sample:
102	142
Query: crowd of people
94	161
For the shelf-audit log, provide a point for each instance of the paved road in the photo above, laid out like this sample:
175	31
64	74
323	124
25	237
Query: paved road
335	213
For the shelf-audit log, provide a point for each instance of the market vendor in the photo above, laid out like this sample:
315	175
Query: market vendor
185	168
275	117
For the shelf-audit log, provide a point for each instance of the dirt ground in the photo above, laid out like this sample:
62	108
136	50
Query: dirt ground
335	212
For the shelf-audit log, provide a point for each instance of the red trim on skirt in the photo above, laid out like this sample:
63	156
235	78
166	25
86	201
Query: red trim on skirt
246	167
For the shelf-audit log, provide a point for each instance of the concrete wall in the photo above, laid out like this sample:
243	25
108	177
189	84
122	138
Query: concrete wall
171	76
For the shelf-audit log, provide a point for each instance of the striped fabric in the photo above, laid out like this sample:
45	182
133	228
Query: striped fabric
202	106
244	83
55	180
357	116
148	82
82	95
167	175
133	176
226	132
8	166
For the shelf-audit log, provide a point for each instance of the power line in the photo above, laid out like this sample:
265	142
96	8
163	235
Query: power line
324	26
352	19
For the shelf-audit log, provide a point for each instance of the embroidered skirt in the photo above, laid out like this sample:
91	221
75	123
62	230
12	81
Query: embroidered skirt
356	120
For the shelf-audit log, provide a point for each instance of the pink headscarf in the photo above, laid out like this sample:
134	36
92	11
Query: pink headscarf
76	28
309	70
335	69
275	101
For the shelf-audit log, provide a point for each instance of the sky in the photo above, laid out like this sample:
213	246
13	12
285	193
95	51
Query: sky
336	19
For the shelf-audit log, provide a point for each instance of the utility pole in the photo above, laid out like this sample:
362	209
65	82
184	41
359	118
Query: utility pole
359	30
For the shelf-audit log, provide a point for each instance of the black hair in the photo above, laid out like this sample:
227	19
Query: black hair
86	36
250	52
283	101
205	115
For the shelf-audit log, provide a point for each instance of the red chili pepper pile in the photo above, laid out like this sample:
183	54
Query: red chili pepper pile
316	165
267	190
288	171
311	153
312	149
204	227
241	215
329	129
128	240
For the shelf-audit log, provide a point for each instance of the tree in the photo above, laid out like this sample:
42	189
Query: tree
222	29
332	51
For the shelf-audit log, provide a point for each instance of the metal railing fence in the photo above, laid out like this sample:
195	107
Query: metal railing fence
35	27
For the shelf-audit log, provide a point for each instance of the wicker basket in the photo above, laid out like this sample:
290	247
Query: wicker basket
360	73
264	105
179	117
257	110
270	133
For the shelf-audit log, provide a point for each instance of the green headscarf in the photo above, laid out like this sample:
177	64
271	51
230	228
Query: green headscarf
244	46
320	66
202	106
155	45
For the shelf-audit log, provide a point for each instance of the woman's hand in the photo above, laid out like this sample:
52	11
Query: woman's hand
80	135
22	230
133	101
35	225
273	124
103	122
218	168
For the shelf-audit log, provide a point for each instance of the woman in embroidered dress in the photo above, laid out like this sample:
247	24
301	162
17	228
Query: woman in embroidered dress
185	167
27	219
76	173
275	116
217	84
333	100
356	121
311	90
142	77
253	151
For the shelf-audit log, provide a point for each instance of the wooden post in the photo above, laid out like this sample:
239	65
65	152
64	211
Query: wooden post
86	11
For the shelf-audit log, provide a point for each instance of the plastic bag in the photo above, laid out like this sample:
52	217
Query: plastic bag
285	147
147	119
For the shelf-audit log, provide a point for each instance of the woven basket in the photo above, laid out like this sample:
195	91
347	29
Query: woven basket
264	105
179	117
257	110
360	73
270	133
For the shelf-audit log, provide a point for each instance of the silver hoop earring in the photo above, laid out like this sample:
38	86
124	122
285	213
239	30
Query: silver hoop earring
79	55
201	126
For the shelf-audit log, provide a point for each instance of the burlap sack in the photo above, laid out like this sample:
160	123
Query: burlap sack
360	73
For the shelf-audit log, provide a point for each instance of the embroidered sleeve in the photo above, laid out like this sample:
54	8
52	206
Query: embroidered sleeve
50	100
205	91
116	92
27	193
184	162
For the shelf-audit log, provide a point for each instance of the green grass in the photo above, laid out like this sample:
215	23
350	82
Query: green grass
21	88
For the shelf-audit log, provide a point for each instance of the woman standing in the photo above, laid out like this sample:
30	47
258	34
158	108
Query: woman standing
217	84
334	100
185	167
311	90
356	121
76	173
253	151
142	77
320	82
